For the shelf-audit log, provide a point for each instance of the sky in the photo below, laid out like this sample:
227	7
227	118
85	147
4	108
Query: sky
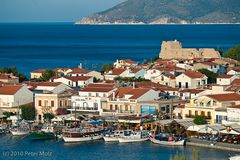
51	10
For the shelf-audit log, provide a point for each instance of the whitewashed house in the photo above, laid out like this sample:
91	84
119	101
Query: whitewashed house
191	79
124	63
116	72
226	79
165	79
12	96
84	72
74	81
211	66
89	99
234	71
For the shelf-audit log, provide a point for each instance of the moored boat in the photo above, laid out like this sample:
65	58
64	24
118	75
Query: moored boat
19	132
83	138
42	135
113	137
133	136
235	157
168	143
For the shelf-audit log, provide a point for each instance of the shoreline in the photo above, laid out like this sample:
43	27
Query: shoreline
216	146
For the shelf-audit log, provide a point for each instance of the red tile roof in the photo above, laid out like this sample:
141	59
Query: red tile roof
79	71
225	76
135	70
129	61
7	76
117	71
39	71
135	92
101	85
9	90
194	91
236	68
209	63
225	97
78	78
95	89
171	76
193	74
236	81
34	85
233	88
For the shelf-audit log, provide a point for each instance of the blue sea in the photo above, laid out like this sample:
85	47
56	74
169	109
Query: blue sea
30	46
23	148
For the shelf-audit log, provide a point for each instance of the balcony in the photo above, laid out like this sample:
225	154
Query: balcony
84	109
192	116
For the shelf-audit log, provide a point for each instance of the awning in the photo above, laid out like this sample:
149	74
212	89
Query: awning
195	128
230	132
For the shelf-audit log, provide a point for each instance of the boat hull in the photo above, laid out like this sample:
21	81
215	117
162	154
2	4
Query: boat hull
168	143
42	136
131	140
81	139
19	133
110	139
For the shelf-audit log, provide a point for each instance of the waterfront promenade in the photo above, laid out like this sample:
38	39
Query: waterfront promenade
213	145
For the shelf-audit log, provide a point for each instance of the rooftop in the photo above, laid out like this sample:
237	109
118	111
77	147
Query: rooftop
225	97
9	90
193	74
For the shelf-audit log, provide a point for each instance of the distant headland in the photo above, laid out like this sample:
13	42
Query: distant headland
168	12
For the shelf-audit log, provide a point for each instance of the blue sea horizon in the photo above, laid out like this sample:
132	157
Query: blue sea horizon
30	46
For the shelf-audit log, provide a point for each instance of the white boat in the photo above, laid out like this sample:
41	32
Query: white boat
133	136
235	157
168	143
113	137
82	138
19	132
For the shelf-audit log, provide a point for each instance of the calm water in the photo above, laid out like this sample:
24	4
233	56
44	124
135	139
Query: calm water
24	148
36	46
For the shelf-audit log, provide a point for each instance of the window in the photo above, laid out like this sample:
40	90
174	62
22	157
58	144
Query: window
116	107
190	113
198	83
45	103
126	108
66	103
186	84
179	84
69	83
111	107
196	113
209	114
61	104
89	94
97	94
39	103
52	103
104	94
202	113
95	105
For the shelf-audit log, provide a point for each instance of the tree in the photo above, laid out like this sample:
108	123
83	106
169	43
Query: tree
13	70
233	53
106	67
8	114
212	77
48	74
200	120
28	112
48	116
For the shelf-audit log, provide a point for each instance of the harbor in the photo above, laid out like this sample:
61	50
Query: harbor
24	148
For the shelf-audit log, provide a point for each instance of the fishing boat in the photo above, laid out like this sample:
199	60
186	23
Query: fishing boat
113	137
83	138
43	134
167	139
21	129
133	136
82	134
168	143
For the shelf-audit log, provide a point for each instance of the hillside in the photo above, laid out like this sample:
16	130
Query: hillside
169	11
